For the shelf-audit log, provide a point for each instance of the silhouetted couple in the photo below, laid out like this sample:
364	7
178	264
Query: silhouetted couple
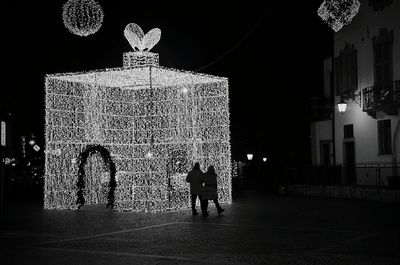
204	186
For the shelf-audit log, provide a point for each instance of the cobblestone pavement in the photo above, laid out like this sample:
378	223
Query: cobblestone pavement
254	229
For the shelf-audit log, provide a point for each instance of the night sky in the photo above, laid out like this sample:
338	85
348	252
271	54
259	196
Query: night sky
272	54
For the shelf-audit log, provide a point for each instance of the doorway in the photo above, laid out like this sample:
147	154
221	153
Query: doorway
177	168
96	177
349	162
325	153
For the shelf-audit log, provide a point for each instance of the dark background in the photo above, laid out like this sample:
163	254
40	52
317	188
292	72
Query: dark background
272	54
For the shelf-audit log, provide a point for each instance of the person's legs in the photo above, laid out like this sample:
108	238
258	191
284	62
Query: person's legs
204	206
219	208
194	197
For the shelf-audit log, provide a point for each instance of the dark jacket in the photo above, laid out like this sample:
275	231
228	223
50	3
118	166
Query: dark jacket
210	186
195	178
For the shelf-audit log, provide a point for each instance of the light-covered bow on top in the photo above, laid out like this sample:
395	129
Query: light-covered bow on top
138	40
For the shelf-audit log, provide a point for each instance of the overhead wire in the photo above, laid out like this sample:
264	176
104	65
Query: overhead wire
240	41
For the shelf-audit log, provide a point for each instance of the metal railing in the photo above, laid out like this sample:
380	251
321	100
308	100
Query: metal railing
373	175
379	95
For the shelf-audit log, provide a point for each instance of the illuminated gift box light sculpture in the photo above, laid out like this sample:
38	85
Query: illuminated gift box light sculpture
155	122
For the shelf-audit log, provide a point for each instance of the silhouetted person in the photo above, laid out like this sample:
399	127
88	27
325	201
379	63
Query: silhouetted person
195	178
210	190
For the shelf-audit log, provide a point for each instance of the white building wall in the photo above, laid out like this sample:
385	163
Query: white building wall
360	33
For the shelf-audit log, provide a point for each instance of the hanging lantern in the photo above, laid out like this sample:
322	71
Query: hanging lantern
342	106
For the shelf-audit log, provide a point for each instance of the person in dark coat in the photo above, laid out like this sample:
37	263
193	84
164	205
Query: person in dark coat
195	178
210	190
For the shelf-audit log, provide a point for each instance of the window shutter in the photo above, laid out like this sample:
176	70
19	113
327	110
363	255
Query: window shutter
384	137
338	75
354	71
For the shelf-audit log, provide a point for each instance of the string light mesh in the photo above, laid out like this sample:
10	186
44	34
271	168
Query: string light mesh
235	172
82	17
338	13
155	121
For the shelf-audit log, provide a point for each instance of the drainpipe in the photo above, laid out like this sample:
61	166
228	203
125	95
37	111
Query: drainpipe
333	112
395	148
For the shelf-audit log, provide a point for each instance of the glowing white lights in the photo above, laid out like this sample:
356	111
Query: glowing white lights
3	133
338	13
134	59
36	148
235	171
140	42
342	106
82	17
155	121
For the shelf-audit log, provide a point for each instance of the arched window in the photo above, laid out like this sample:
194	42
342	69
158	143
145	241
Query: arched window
346	76
383	57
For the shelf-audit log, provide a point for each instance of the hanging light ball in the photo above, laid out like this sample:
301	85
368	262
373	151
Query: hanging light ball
82	17
338	13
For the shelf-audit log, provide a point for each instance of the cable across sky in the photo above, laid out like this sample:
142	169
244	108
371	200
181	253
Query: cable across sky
240	41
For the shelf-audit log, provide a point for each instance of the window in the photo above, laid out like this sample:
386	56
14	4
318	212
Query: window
378	5
348	131
383	57
346	77
384	137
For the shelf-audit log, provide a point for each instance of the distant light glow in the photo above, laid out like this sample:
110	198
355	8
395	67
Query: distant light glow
264	159
249	157
338	13
23	143
153	131
82	17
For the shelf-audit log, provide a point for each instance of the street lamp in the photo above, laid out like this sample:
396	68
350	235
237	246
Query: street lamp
342	106
249	170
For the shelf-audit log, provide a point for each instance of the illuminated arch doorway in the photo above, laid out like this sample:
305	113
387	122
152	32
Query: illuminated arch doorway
89	152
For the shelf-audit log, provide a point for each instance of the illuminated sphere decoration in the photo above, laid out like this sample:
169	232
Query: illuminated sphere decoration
338	13
82	17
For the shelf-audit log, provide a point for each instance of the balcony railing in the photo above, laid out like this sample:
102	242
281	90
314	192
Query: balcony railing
379	96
